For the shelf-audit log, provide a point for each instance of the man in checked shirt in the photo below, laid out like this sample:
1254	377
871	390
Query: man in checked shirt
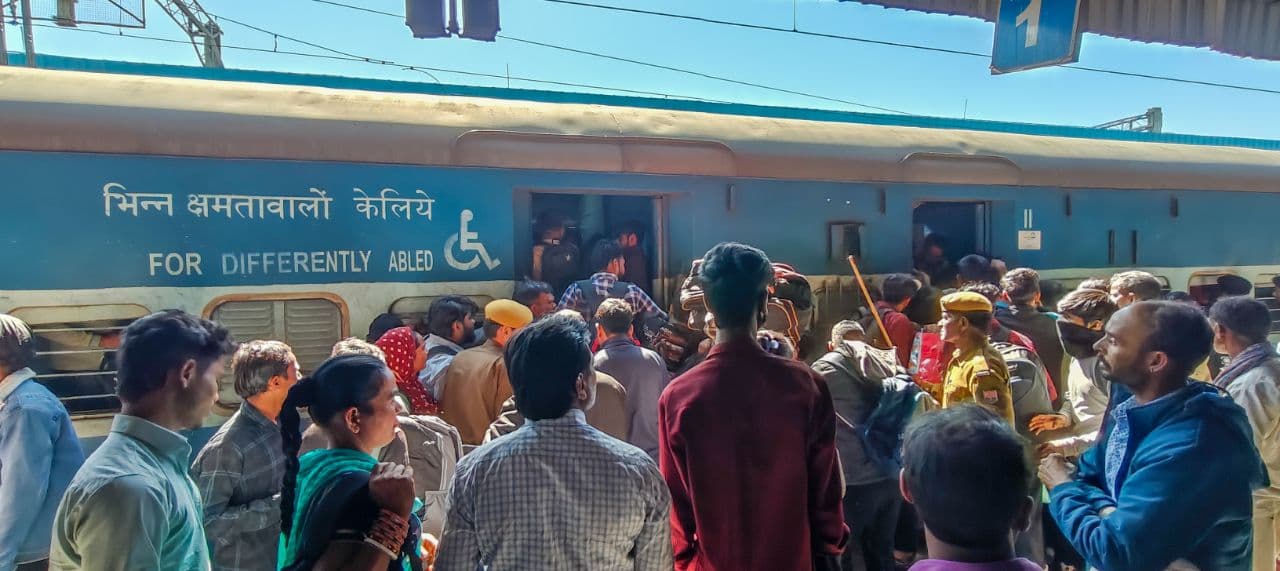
239	471
609	261
556	493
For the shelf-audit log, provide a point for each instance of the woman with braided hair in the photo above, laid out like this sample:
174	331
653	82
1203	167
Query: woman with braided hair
340	508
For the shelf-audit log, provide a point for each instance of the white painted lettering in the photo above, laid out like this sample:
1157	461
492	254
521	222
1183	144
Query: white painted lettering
230	264
193	263
153	260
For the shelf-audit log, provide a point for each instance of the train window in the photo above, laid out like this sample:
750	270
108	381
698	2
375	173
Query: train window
309	323
844	240
75	352
1204	288
1265	291
412	310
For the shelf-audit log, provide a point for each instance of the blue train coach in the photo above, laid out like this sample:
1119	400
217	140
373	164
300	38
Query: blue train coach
300	207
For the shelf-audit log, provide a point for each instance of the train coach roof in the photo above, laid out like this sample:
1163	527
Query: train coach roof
168	110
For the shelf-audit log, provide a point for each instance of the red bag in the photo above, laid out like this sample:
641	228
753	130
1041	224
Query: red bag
927	359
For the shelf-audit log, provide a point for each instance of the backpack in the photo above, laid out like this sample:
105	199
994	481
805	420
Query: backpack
1028	384
560	263
790	307
434	449
881	434
875	337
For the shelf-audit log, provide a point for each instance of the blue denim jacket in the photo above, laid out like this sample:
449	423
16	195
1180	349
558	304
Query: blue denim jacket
39	454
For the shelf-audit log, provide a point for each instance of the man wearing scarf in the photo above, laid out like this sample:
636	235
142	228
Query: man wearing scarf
1240	327
1082	315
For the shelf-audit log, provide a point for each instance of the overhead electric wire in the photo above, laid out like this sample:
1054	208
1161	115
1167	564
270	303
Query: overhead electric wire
652	65
762	27
405	67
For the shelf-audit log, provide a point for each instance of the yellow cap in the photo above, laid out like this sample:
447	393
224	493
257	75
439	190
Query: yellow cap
965	302
508	312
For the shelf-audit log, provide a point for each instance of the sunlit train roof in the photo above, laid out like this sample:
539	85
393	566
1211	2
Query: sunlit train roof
394	86
1249	28
159	110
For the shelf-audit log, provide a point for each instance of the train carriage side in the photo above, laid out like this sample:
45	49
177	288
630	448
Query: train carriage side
302	213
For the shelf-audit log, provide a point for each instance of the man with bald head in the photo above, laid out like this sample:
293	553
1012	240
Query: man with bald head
1171	478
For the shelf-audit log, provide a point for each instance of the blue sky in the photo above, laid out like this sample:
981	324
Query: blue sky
918	82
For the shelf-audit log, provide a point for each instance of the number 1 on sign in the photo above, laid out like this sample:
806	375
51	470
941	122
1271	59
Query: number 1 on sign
1031	17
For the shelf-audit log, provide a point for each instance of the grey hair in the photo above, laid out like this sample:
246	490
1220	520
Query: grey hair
17	343
256	362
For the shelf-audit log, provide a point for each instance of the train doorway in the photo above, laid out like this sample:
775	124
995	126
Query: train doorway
587	219
963	228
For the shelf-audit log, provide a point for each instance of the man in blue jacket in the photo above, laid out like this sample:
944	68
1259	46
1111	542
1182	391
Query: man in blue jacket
1172	477
39	452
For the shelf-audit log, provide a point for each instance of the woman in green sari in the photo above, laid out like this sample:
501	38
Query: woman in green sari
340	508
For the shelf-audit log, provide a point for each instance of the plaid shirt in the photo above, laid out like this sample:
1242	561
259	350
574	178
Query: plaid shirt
239	474
557	494
640	301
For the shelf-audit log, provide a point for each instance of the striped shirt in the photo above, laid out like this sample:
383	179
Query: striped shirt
557	494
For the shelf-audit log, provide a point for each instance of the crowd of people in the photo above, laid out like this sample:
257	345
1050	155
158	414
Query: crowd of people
1122	428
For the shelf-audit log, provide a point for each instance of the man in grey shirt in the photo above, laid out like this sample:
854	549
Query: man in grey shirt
239	472
642	372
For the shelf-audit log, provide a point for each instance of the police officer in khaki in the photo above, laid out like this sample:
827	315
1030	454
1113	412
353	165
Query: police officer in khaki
977	373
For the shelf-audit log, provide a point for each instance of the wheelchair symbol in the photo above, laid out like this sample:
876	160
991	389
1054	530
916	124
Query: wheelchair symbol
467	242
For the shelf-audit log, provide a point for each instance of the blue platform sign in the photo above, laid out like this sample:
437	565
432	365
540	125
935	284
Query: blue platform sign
1035	33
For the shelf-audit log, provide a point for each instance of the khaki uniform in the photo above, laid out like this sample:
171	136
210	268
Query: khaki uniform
981	376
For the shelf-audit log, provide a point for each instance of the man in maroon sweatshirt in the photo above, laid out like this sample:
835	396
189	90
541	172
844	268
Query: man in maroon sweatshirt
747	441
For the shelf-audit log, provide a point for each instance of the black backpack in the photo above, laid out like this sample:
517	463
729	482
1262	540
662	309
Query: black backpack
560	264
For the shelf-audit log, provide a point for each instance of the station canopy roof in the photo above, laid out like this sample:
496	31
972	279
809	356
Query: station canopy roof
1247	28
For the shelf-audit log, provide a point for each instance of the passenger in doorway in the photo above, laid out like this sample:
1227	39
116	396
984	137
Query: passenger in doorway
794	519
39	452
554	260
406	356
1081	317
1240	327
932	260
1131	287
977	372
240	471
1025	315
451	327
967	476
608	414
1171	479
630	238
132	505
609	262
642	372
381	325
525	501
537	296
859	377
476	385
340	508
897	291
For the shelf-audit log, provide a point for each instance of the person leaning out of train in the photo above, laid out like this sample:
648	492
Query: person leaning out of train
132	505
239	472
1240	327
39	452
476	385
